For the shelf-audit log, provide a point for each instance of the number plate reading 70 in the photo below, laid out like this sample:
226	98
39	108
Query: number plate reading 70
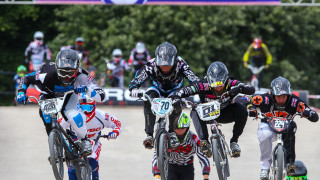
161	106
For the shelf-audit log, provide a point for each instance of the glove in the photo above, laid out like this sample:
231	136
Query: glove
176	103
81	89
252	111
135	92
235	90
112	135
21	97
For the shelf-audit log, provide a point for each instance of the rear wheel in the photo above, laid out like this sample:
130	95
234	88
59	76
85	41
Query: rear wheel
163	156
220	159
56	154
279	163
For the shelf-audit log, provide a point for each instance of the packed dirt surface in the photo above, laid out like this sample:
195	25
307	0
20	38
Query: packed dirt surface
24	147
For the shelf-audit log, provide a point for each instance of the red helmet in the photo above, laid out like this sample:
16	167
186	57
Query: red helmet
88	106
257	43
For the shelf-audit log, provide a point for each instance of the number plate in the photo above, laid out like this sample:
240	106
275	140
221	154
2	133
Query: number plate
209	111
162	106
279	124
48	106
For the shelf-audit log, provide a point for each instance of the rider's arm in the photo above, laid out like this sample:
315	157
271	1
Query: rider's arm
187	72
94	90
109	121
303	108
247	54
204	161
192	89
48	52
267	54
241	87
27	53
141	76
26	80
131	58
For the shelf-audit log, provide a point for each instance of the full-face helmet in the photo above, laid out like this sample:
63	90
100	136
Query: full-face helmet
67	65
217	74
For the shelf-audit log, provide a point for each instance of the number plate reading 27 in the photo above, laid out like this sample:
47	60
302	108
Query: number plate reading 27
209	111
48	106
162	106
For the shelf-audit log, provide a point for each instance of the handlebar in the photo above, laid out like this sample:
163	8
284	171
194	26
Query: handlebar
263	116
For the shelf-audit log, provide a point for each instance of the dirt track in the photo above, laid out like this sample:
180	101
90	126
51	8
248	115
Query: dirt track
24	148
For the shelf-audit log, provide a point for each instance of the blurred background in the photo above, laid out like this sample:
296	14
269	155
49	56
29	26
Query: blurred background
201	34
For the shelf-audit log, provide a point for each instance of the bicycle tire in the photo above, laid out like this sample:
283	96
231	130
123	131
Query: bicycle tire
163	156
220	158
279	163
83	171
56	154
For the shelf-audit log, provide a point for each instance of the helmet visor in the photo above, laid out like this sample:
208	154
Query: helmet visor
66	73
165	60
87	107
217	80
281	89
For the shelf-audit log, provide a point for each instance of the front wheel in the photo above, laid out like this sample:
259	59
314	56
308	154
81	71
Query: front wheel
220	159
83	169
56	154
163	156
278	163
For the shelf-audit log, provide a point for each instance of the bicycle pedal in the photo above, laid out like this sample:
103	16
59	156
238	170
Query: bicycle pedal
235	154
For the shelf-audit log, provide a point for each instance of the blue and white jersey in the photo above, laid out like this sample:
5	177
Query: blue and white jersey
47	82
167	84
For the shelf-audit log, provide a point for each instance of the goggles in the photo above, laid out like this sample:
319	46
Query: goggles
87	107
217	84
67	73
117	56
80	43
297	178
39	39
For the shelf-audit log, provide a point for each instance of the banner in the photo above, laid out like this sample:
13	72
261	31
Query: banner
163	2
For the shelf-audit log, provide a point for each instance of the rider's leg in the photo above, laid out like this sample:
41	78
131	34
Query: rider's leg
260	77
94	160
46	119
75	117
72	172
150	118
234	113
266	137
289	143
199	125
173	173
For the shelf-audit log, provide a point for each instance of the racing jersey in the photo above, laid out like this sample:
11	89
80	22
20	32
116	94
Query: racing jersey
138	59
118	68
37	51
184	154
96	123
207	93
16	80
262	54
165	85
47	82
294	105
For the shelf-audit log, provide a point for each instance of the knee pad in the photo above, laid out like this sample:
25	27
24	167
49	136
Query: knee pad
95	168
264	132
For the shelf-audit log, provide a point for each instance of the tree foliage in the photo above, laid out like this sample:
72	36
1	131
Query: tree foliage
201	34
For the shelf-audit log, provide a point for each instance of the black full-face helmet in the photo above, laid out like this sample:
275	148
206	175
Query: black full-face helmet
217	74
280	86
67	65
166	55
